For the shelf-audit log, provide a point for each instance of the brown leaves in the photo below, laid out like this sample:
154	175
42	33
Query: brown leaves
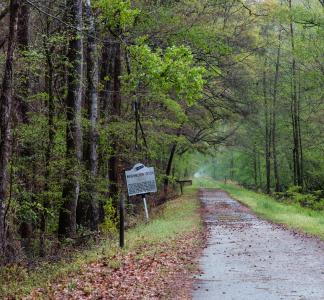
159	271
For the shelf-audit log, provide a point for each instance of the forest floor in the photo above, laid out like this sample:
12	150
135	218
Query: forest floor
249	258
157	263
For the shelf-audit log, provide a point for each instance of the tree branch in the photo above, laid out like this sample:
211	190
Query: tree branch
251	13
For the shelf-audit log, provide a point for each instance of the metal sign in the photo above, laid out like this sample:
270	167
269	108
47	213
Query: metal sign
140	180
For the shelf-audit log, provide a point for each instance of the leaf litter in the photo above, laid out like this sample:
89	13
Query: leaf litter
158	271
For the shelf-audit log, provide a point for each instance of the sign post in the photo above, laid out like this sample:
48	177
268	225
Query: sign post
141	181
145	208
121	221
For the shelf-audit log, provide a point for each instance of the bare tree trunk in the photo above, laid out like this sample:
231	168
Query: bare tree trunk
169	165
274	121
168	170
255	166
6	100
21	105
294	107
267	131
259	170
300	136
232	172
71	187
93	81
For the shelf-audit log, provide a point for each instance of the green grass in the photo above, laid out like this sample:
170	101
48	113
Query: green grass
177	217
291	215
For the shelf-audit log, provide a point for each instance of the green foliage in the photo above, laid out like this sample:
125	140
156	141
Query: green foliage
117	14
111	219
294	189
169	75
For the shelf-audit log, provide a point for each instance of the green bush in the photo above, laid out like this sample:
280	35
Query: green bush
305	200
111	220
319	193
319	205
313	200
294	189
280	196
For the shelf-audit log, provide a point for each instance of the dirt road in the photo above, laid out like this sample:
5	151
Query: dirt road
249	258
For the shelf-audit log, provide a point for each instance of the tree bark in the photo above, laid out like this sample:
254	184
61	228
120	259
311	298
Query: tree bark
105	96
267	131
169	165
49	81
4	12
294	107
300	136
21	97
113	163
6	100
168	170
93	81
274	121
255	166
71	186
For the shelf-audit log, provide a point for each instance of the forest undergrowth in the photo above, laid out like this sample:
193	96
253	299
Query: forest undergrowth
172	240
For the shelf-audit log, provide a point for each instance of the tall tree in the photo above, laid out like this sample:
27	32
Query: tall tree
267	136
274	117
6	101
71	186
116	102
92	97
294	105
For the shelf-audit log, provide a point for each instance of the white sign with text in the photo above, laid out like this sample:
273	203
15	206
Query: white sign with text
140	180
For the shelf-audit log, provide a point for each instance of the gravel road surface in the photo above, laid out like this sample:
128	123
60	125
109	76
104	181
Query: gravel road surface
249	258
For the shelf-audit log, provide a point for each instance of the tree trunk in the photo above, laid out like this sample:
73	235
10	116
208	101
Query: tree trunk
113	163
23	89
274	121
49	80
106	74
168	170
267	131
23	45
300	137
71	186
255	166
232	172
294	107
6	100
93	80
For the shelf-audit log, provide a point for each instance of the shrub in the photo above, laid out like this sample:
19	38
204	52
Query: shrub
319	194
111	220
319	205
294	189
307	200
280	196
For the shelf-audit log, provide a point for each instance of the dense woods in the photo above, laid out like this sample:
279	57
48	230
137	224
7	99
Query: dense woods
89	88
280	144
